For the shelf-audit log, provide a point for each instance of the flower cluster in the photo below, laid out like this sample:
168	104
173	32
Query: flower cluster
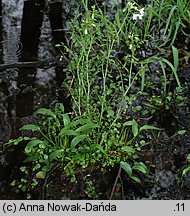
139	15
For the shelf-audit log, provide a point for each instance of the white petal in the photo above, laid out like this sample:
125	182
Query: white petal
135	16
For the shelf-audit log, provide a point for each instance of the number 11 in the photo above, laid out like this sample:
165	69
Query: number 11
180	207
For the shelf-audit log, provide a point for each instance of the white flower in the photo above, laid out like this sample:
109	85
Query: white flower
86	31
135	16
142	11
139	15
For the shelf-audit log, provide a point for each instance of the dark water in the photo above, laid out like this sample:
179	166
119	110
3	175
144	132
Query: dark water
28	32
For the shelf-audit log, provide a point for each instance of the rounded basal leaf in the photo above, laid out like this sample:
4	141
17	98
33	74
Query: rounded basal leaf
41	175
149	127
140	167
126	167
44	111
76	140
36	167
27	149
42	145
31	127
55	154
128	149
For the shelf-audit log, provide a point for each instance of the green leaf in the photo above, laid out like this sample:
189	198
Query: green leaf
55	154
16	141
134	125
188	158
126	167
41	175
59	106
78	121
31	127
181	132
135	129
140	167
86	127
75	123
136	179
66	119
26	138
110	113
128	123
175	57
34	143
98	146
42	145
27	150
128	149
68	133
173	70
185	171
44	111
31	157
77	139
149	127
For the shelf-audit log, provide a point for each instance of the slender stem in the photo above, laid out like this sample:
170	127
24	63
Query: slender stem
115	183
47	138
